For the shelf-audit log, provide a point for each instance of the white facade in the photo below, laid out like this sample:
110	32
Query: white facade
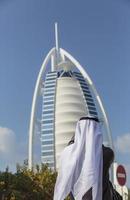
70	107
66	98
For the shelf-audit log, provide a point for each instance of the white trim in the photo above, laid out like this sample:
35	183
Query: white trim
92	86
34	104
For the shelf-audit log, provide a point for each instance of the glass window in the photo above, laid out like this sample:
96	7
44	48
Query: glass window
50	78
92	108
45	148
79	77
47	126
46	129
48	106
89	99
86	90
90	104
51	74
84	86
82	81
48	102
92	112
50	81
49	85
47	112
46	94
47	137
48	109
47	132
48	121
87	95
49	89
78	74
44	117
48	98
47	142
48	153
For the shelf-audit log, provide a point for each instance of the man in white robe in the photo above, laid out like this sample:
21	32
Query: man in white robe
80	169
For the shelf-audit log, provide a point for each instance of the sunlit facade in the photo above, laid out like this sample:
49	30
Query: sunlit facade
66	98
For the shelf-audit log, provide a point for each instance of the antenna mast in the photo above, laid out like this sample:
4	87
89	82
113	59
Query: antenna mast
56	36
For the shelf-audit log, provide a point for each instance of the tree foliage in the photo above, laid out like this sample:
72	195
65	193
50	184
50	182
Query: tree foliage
37	184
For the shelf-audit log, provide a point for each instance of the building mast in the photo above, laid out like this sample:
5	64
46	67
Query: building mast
56	36
55	57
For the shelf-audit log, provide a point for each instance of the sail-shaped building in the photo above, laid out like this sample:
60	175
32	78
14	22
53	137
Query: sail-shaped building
68	93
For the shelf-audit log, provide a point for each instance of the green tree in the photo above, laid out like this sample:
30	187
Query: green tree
37	184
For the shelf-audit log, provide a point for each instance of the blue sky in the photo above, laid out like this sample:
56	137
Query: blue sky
97	33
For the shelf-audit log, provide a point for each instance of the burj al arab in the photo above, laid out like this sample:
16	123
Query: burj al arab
68	93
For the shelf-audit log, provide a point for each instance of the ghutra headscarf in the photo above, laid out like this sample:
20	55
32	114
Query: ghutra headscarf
80	169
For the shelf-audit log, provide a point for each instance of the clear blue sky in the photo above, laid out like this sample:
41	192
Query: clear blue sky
95	32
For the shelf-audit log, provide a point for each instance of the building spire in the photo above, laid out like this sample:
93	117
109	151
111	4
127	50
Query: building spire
56	36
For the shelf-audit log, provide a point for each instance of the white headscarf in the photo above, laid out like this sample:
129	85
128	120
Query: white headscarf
81	163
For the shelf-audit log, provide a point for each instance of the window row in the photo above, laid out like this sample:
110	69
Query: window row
92	108
86	90
78	74
47	126
48	102
90	104
46	148
47	112
89	99
46	107
87	95
47	142
49	85
50	78
79	77
46	98
50	73
47	137
48	121
82	81
49	89
84	86
44	117
48	94
47	132
48	153
50	81
93	113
